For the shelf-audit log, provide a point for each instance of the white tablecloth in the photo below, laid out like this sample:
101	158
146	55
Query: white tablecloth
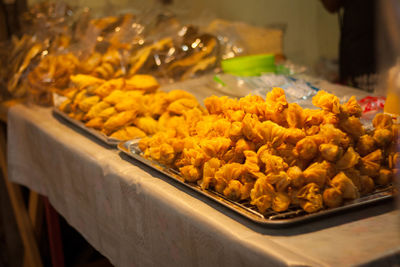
136	217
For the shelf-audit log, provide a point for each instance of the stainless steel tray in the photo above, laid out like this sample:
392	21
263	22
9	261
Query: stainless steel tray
271	218
104	138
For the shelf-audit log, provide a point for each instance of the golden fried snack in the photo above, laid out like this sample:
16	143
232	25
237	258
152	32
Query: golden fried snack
351	108
109	86
349	159
332	197
296	176
227	172
209	170
345	186
95	123
385	177
87	103
382	121
280	202
365	145
115	97
262	195
146	124
141	82
233	190
65	106
182	105
105	114
95	110
383	136
190	173
327	102
371	163
352	126
310	198
306	148
133	101
83	81
119	120
318	173
128	133
178	94
330	152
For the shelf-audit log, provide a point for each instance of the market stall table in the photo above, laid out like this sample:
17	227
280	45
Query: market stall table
135	216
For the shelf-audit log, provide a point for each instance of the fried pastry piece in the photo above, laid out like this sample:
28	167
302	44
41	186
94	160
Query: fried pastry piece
365	145
190	173
251	163
306	148
209	170
65	106
349	159
146	124
295	116
95	110
87	103
142	82
262	195
327	102
383	136
382	121
296	176
182	105
109	86
119	120
293	135
310	198
331	152
384	178
95	123
281	180
345	185
355	177
271	133
351	108
107	113
352	126
394	160
250	123
132	101
233	190
178	94
318	173
367	184
82	81
128	133
115	97
332	197
371	163
280	202
227	172
271	162
215	147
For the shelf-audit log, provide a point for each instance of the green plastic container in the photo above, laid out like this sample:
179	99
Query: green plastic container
253	65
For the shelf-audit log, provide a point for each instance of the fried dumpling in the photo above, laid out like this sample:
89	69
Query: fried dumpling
142	82
128	133
310	198
118	120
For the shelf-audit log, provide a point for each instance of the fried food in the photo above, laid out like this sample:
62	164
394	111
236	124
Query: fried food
310	198
128	133
118	120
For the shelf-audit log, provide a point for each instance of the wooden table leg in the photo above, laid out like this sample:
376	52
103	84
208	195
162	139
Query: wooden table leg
21	214
55	240
35	209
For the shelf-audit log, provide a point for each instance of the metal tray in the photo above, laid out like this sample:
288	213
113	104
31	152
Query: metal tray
274	219
99	135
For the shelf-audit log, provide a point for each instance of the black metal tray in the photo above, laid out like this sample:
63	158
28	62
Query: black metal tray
271	218
101	136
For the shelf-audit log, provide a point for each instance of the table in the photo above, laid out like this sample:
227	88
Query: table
136	217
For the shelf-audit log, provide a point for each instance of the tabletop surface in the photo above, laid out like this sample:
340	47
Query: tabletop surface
132	214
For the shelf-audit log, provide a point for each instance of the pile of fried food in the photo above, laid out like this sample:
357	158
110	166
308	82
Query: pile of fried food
274	155
125	109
